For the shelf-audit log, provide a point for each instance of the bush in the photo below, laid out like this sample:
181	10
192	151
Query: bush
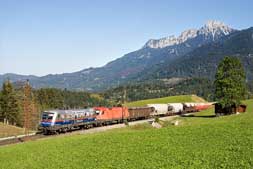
157	119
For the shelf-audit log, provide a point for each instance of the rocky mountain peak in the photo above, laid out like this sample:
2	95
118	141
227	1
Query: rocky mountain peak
215	29
211	30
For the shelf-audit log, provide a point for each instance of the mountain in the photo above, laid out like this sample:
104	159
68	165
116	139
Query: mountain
203	61
134	65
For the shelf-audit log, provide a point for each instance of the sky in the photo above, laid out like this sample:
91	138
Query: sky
57	36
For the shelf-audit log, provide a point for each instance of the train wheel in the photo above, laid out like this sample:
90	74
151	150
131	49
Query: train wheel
45	132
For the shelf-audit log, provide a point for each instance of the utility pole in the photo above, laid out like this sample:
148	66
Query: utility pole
123	102
124	97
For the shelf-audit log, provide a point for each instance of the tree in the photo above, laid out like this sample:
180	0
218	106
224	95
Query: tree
9	104
31	111
230	83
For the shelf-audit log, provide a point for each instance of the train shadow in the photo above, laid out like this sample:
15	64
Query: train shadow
194	116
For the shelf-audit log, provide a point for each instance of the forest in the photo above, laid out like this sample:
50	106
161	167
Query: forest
15	100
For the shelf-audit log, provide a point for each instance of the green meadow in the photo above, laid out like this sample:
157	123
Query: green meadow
199	141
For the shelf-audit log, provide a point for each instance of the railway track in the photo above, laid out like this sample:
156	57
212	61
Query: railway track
16	140
37	136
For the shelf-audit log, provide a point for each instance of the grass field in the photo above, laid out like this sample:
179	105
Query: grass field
170	99
200	141
9	130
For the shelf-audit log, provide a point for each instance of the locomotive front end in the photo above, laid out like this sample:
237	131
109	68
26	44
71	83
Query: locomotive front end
47	121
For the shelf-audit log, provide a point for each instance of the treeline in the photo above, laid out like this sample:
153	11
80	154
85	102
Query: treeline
65	99
12	102
202	87
155	89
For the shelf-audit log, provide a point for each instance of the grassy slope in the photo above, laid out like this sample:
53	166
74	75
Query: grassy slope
8	130
171	99
199	142
206	116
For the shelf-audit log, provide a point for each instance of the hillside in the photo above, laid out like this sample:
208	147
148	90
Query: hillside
8	130
171	99
200	142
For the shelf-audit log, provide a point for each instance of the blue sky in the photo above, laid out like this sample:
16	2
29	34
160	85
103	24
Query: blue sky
56	36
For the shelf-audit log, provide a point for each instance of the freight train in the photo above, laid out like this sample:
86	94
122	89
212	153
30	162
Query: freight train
61	121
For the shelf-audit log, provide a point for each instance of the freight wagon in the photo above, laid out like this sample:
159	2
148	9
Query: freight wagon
136	113
189	107
203	106
195	107
176	108
159	109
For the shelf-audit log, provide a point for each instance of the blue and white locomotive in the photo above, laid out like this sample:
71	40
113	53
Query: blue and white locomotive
56	121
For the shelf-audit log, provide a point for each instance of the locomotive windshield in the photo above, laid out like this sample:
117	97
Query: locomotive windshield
47	116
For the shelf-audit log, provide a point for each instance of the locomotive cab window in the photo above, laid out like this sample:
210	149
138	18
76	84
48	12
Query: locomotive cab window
47	116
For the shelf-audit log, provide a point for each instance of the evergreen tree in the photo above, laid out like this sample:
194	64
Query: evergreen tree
230	83
9	104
